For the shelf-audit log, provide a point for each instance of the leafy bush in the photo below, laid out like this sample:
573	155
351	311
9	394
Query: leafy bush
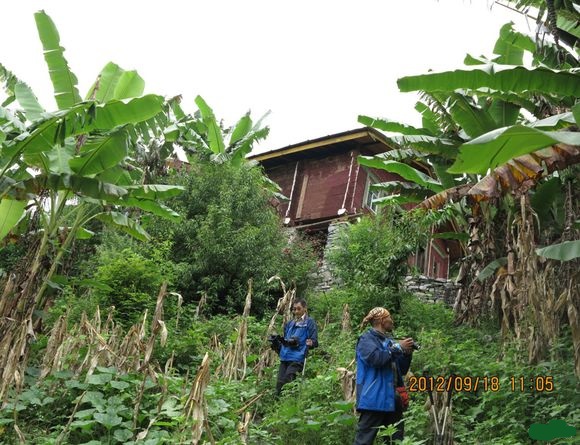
135	282
230	233
371	258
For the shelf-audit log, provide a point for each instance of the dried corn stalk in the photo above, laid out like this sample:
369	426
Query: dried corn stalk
345	325
347	383
244	427
234	366
195	406
268	356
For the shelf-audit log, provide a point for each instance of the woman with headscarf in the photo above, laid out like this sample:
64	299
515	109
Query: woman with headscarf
381	364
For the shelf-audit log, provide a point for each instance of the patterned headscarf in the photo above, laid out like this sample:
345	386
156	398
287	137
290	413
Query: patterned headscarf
376	314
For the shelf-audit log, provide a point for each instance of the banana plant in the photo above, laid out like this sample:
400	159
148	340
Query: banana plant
201	133
472	122
68	167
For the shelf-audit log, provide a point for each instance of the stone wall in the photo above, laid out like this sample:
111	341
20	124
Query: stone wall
432	290
324	278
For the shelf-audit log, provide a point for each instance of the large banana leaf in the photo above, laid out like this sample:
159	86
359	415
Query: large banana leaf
154	191
28	101
104	87
405	171
115	113
245	146
150	206
57	159
565	251
497	77
443	147
391	126
63	80
474	120
569	22
241	129
130	84
17	90
100	153
124	223
10	213
214	133
80	185
504	113
411	190
516	39
83	118
499	146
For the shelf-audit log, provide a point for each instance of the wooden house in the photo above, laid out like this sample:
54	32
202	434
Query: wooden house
325	184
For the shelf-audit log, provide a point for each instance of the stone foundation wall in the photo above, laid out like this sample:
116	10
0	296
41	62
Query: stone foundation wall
432	290
324	278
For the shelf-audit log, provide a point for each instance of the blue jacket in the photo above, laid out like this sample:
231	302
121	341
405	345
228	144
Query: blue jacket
303	330
375	357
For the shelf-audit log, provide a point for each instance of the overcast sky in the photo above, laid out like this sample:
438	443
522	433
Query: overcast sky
316	64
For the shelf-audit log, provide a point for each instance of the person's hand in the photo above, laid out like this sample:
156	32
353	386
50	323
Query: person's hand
407	344
309	342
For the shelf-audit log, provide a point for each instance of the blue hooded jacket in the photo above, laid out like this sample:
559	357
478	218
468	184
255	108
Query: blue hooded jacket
375	356
303	330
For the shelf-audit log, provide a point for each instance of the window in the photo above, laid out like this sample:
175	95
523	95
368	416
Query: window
372	197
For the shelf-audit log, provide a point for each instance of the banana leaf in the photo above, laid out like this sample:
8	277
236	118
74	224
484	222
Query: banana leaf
99	153
214	133
63	80
499	146
10	213
474	120
391	126
124	223
405	171
241	129
496	77
80	185
490	269
569	22
115	113
154	191
150	206
245	145
130	84
104	87
504	113
566	251
28	101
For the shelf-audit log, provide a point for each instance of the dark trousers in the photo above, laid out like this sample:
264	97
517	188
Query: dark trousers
286	373
370	421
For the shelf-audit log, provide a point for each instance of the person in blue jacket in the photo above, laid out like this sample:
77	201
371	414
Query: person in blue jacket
381	363
300	335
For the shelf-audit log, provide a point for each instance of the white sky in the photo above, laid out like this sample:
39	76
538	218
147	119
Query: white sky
316	64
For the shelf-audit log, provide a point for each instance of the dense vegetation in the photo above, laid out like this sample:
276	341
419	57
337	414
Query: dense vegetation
127	320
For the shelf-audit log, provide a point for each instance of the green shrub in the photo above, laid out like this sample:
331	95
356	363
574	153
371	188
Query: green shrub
230	234
134	281
370	257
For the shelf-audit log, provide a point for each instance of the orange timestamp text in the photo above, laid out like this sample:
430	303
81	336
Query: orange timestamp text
458	383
